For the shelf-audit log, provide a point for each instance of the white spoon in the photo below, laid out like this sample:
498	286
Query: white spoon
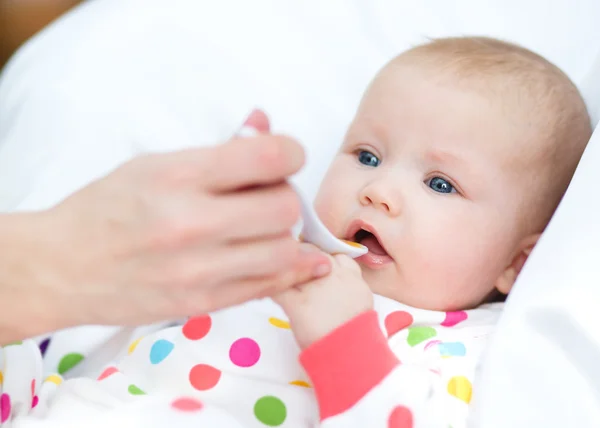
313	230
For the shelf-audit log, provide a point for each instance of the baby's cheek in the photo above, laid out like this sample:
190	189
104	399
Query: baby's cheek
467	270
332	206
326	210
443	256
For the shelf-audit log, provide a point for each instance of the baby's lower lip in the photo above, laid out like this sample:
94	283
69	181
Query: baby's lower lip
374	261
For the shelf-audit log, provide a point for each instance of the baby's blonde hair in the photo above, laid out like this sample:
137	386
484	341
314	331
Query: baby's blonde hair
527	84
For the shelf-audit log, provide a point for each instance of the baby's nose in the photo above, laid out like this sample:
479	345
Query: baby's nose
380	196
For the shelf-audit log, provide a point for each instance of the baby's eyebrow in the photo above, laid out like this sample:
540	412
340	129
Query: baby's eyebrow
451	160
444	157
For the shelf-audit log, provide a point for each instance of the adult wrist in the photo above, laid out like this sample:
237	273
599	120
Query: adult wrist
27	277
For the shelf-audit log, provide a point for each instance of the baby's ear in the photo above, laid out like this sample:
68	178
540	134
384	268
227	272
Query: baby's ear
509	276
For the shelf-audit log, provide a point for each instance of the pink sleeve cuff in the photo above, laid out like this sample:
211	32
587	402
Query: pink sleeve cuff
347	363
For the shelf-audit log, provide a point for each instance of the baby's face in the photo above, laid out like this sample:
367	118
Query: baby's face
432	173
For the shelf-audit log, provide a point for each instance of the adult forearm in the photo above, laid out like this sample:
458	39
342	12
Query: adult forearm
26	308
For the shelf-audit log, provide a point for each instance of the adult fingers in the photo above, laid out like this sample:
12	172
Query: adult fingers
256	212
252	214
248	162
315	265
203	299
234	262
239	163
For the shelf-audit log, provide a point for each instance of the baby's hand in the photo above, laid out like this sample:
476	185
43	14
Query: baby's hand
317	308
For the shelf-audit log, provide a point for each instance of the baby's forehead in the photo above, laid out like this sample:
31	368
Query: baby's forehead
516	118
514	90
405	96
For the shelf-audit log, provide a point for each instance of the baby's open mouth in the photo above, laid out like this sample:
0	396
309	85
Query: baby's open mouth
370	241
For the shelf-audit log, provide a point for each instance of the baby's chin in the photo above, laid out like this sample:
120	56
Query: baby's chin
380	285
392	287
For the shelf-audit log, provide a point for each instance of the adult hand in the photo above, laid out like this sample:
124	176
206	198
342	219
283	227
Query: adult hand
166	236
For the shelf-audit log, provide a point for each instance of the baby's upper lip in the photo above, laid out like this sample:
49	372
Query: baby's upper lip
357	225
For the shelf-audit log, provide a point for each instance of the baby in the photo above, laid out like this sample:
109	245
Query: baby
457	157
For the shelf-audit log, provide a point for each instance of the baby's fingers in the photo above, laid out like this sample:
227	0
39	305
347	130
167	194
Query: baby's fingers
346	262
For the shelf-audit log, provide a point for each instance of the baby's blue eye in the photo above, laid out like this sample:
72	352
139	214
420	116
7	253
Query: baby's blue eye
438	184
368	158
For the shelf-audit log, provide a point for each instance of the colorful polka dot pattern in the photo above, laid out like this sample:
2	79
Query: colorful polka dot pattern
419	334
44	346
279	323
461	388
246	352
186	404
133	345
160	350
452	349
107	372
301	383
243	352
400	320
34	398
453	318
197	327
204	377
397	321
56	380
68	362
135	390
401	417
270	411
5	407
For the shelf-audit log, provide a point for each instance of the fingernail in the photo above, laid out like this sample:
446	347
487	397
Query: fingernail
321	270
258	120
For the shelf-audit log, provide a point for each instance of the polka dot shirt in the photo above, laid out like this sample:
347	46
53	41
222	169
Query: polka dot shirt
394	367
